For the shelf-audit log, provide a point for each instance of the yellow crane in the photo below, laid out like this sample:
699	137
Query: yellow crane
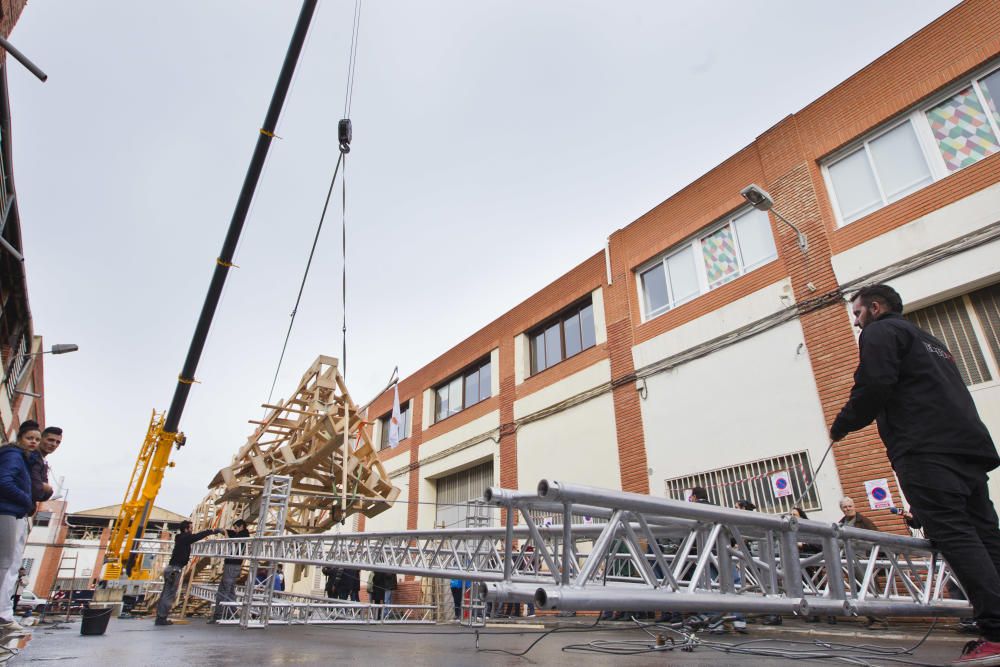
162	436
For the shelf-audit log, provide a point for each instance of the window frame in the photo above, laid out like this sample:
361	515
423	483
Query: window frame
980	337
475	367
575	309
693	244
917	117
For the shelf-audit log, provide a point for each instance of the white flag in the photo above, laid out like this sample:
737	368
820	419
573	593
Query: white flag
394	421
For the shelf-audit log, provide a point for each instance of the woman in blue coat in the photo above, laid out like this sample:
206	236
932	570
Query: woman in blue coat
15	505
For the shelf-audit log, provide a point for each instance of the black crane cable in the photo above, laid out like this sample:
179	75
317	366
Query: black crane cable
305	275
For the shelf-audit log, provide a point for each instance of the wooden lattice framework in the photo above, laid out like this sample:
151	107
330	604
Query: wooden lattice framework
303	437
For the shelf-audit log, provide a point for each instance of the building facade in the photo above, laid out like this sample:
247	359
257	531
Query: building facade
20	359
704	345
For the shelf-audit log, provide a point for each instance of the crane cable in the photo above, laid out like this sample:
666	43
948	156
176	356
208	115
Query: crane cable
345	148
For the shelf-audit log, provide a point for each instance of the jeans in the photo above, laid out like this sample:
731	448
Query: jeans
388	596
171	580
13	535
227	590
952	501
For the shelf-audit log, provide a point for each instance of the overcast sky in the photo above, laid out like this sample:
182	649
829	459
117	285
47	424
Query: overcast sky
496	146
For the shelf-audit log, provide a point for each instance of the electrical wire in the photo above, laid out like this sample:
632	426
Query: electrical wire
305	275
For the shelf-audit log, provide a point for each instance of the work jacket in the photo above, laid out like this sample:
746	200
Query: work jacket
15	482
236	534
860	521
907	381
181	554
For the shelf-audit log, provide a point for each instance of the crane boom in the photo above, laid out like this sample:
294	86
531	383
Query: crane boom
147	476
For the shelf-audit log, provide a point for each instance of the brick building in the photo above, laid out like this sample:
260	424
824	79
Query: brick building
20	361
703	345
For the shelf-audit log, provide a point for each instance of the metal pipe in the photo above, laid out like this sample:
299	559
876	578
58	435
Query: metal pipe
23	59
224	262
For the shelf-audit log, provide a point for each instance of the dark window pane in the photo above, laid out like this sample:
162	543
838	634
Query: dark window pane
485	382
472	388
442	403
587	326
383	440
654	289
571	329
553	345
537	353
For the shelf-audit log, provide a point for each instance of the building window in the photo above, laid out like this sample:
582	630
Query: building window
459	499
754	482
568	334
923	146
27	564
462	391
404	425
42	519
969	326
738	246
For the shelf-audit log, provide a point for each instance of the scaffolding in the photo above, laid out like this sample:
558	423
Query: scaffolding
616	551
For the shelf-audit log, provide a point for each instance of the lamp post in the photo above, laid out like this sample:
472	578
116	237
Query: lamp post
20	359
759	198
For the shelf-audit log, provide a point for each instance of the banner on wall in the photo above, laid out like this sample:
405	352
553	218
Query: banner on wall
781	484
879	496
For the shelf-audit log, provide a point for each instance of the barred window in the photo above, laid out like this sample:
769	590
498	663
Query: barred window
753	481
969	326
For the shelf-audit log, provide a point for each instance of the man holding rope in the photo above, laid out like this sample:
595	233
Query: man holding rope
908	383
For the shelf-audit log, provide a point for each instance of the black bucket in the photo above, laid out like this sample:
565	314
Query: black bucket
95	621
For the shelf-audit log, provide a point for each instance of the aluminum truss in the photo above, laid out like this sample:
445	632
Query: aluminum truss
621	551
297	608
257	598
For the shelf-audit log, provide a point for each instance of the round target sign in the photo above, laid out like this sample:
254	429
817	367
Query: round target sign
878	493
781	483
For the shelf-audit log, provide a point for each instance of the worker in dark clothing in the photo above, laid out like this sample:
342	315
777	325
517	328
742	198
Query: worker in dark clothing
332	575
231	569
179	558
907	381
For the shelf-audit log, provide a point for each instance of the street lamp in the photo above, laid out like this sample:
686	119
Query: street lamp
759	198
20	360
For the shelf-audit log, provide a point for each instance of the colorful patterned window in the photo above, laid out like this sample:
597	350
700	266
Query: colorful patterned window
719	252
742	244
962	130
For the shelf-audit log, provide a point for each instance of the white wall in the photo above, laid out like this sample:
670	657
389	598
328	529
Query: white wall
576	445
393	518
949	222
752	400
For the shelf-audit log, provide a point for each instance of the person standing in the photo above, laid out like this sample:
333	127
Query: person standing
15	506
908	383
231	569
179	558
853	518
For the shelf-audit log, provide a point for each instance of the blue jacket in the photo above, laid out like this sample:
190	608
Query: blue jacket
15	482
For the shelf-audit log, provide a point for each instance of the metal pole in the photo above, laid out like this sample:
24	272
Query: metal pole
224	262
23	59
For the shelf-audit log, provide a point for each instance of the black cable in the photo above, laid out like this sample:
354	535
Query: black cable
343	241
545	634
305	275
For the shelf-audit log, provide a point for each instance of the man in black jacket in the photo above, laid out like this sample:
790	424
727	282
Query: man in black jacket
179	558
907	381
